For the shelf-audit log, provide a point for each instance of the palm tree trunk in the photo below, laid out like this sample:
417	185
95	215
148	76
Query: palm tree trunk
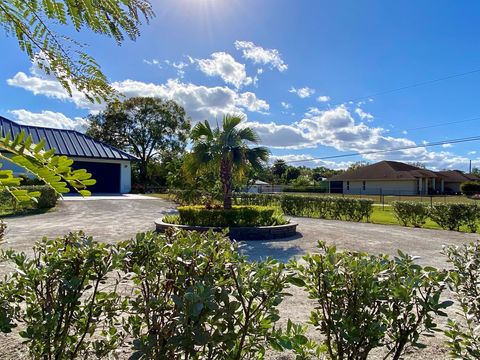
226	178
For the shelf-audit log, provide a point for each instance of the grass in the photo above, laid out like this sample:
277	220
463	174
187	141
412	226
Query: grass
386	217
9	209
160	196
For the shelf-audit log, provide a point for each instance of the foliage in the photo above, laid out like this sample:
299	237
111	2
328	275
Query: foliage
3	230
226	149
464	336
367	301
48	197
60	298
34	22
150	128
470	188
237	216
357	165
410	213
54	171
323	207
454	215
292	174
279	168
196	297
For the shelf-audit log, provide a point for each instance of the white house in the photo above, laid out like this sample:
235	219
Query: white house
110	166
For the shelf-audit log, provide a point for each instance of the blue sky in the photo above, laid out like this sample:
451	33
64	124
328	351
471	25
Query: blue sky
292	68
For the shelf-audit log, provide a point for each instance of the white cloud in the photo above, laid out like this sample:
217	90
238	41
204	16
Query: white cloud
472	152
445	146
304	159
323	98
226	67
259	55
49	119
286	105
153	62
303	92
364	115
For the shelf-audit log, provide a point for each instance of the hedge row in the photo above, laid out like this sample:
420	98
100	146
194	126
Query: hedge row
47	199
448	216
470	188
324	207
306	189
238	216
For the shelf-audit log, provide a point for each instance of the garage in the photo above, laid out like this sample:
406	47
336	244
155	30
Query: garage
108	176
111	167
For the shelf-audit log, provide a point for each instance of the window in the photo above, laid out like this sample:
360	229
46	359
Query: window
364	185
348	185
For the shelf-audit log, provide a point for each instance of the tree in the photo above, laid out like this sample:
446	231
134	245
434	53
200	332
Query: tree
357	165
227	149
292	174
35	22
279	168
150	128
476	171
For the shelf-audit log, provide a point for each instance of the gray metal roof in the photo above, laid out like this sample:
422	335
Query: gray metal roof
65	142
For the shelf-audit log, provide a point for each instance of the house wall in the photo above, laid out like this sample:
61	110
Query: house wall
385	187
125	172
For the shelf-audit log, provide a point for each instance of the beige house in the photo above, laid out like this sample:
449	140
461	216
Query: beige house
396	178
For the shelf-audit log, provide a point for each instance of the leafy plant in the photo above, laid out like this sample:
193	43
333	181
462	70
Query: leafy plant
470	188
34	24
196	297
454	215
464	336
410	213
3	230
367	301
60	296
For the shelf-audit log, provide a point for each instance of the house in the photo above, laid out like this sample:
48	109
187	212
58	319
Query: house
454	178
111	167
387	178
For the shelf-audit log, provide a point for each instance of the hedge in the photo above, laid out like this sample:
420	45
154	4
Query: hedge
323	207
453	216
47	199
410	213
306	189
470	188
238	216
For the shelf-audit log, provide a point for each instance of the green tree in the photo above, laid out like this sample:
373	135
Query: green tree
279	168
292	174
476	171
226	149
34	23
150	128
357	165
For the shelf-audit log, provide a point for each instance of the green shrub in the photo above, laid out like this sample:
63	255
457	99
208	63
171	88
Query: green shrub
47	198
410	213
238	216
196	297
59	299
454	215
365	301
470	188
464	336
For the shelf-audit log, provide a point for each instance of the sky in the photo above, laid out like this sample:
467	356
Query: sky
314	78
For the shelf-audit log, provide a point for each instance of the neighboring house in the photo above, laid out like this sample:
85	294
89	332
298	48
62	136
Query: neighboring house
259	187
387	178
454	178
111	167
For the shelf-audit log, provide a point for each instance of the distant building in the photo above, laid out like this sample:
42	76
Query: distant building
397	178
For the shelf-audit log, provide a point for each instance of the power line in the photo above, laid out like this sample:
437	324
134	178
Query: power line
406	87
443	124
437	143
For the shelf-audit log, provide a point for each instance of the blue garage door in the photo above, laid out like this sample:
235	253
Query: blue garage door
107	176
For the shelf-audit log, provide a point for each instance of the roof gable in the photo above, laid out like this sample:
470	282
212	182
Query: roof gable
65	142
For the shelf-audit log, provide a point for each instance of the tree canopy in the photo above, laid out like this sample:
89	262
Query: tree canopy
34	24
149	128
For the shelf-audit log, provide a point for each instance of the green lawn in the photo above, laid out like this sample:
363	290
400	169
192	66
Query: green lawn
386	217
8	208
160	196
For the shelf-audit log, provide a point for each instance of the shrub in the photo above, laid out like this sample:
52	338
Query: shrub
470	188
306	189
453	216
59	297
464	336
196	297
236	217
410	213
367	301
47	198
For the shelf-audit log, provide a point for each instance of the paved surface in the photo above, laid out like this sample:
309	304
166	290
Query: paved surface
111	220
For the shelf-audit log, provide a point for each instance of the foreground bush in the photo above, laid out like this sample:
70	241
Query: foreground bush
454	216
464	279
366	301
410	213
196	297
59	297
238	216
323	207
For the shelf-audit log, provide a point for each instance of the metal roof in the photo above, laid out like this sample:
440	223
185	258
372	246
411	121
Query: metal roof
65	142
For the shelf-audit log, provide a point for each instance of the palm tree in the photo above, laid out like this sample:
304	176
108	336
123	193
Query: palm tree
227	149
